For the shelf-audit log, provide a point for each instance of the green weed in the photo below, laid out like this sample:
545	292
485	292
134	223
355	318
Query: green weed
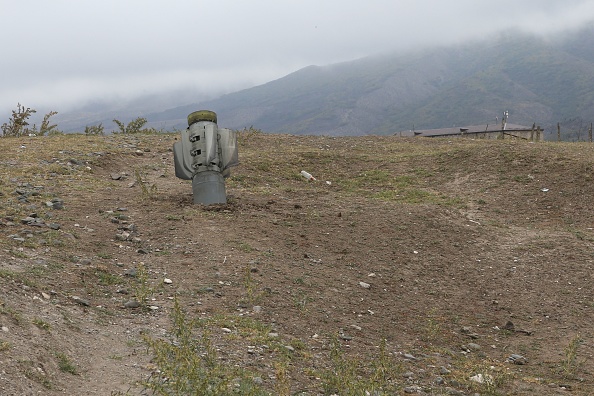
188	363
142	289
65	364
4	346
354	377
42	324
570	364
106	278
148	192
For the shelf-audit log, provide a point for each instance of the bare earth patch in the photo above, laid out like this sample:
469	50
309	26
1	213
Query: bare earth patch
462	266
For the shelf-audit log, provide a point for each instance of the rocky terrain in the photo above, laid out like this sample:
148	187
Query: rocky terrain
409	266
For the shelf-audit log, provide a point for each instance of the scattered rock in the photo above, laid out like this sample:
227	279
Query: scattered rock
466	330
482	378
81	301
168	281
517	359
123	236
509	326
469	331
74	161
364	285
474	347
345	337
130	227
57	203
132	304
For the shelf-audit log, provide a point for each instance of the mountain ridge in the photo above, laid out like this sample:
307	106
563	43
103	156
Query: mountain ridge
538	81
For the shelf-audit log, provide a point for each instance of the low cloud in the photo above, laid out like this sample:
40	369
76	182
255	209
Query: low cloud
61	54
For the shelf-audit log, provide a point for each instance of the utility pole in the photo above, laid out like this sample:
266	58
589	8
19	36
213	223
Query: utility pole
504	123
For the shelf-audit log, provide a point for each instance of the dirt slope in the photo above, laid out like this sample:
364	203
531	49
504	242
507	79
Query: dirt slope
457	253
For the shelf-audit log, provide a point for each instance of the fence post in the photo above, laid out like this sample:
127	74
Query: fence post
532	132
558	132
590	133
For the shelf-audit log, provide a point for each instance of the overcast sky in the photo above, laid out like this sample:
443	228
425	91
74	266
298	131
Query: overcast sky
63	53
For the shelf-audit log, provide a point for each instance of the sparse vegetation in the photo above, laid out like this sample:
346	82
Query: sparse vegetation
95	129
142	288
42	324
188	364
352	377
571	363
65	364
245	135
148	191
365	280
18	122
4	346
46	128
135	126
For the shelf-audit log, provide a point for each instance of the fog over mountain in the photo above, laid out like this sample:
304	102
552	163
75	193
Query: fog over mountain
115	59
537	80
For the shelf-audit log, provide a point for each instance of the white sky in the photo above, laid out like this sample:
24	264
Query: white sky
63	53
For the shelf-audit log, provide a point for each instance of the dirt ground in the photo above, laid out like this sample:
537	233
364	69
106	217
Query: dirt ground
460	254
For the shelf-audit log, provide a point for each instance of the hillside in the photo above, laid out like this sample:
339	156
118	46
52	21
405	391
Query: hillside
423	266
538	81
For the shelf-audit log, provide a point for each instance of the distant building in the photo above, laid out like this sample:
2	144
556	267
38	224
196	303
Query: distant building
511	131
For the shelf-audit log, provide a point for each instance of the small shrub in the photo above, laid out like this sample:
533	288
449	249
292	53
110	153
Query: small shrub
45	127
148	192
42	324
134	126
188	365
18	122
65	364
571	364
142	289
4	346
246	134
352	376
95	129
